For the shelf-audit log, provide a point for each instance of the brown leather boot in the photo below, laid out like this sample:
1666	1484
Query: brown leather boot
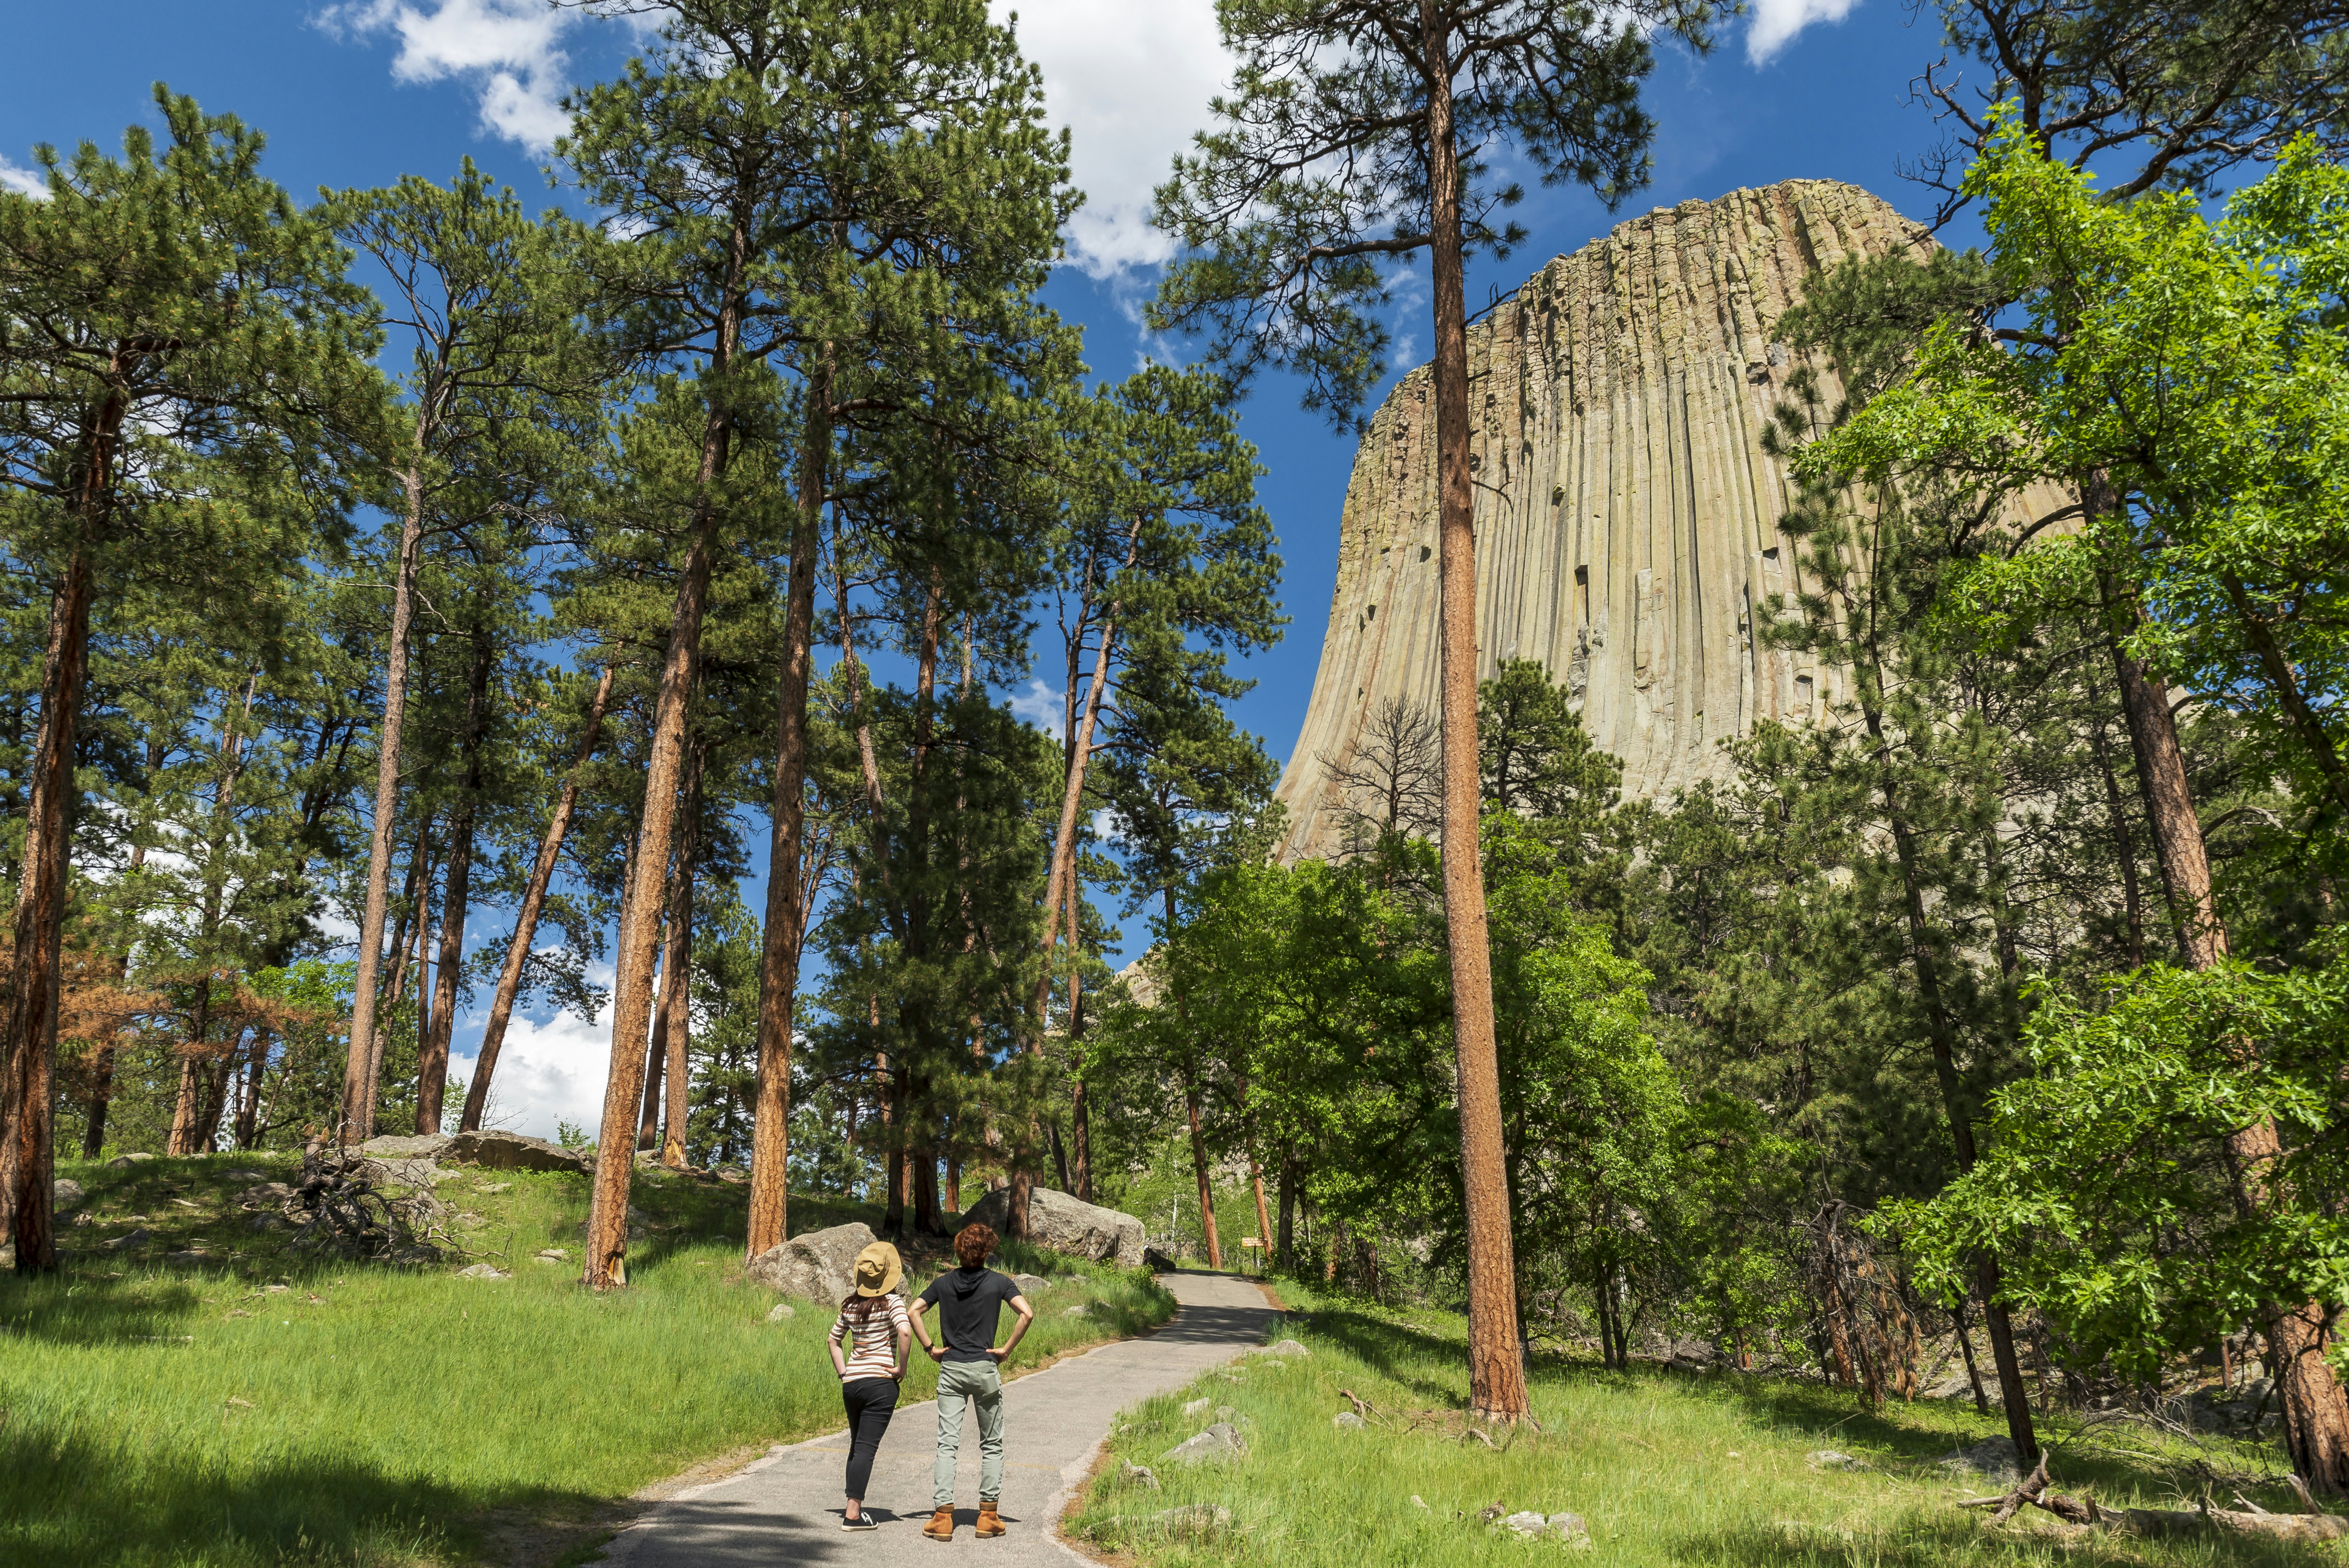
990	1524
941	1524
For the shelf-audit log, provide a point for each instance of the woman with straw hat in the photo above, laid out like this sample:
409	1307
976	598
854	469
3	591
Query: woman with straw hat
873	1324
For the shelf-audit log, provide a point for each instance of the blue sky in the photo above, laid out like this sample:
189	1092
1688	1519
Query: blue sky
362	92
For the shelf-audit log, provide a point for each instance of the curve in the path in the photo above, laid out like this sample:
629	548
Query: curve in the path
786	1508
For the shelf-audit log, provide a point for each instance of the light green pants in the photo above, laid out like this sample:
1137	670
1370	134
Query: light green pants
977	1383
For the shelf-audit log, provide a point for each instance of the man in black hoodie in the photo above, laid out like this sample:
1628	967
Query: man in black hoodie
969	1302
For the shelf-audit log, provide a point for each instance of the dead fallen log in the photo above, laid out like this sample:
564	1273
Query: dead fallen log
2251	1518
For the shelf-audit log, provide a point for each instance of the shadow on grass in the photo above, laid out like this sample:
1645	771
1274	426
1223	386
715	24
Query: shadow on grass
1399	1354
84	1311
64	1500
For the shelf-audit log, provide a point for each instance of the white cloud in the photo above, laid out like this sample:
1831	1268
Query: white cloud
24	182
546	1072
1776	23
1043	707
1131	81
509	51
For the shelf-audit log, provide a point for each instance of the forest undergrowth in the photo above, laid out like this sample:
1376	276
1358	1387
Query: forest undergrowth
259	1407
1663	1466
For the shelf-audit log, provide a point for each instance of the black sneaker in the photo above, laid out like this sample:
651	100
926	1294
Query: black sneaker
864	1521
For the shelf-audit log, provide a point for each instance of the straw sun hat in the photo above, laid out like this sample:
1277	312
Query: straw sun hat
878	1269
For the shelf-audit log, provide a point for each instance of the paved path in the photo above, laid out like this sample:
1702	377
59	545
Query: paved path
786	1508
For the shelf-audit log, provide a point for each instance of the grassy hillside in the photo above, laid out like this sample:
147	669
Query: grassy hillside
256	1407
1666	1469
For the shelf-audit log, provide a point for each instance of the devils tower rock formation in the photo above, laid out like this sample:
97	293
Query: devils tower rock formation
1626	514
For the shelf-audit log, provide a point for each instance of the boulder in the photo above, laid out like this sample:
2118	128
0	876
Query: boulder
1219	1444
1029	1284
67	1195
512	1151
734	1173
245	1175
1137	1475
1346	1421
783	1312
1196	1407
1066	1225
1286	1347
483	1271
819	1264
125	1162
1828	1458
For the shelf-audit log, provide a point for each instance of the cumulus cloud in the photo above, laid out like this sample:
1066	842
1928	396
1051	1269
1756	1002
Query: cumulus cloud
1131	83
509	51
547	1072
1776	23
24	182
1040	706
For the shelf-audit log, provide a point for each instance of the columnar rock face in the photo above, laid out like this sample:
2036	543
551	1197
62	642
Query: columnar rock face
1626	513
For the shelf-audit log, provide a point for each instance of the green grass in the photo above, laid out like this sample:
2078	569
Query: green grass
192	1416
1667	1468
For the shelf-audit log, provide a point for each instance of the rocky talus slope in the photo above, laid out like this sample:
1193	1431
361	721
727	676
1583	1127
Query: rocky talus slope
1626	514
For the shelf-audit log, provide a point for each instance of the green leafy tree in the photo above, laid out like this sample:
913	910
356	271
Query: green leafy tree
2121	380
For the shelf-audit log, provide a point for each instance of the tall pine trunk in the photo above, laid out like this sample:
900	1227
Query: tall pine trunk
533	898
28	1075
673	1028
406	954
28	1051
639	935
632	999
785	926
1497	1386
365	1058
432	1050
1077	756
2316	1415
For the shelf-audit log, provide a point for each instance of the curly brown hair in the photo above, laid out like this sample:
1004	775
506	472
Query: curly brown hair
972	1243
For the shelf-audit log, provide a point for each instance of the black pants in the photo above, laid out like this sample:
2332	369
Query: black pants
870	1402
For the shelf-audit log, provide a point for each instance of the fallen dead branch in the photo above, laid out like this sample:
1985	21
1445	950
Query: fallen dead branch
2251	1518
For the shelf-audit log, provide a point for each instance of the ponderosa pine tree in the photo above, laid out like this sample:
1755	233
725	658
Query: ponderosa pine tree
183	346
1165	563
477	287
1360	131
2188	91
792	230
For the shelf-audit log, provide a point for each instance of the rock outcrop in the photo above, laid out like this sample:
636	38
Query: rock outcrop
1066	1225
1626	513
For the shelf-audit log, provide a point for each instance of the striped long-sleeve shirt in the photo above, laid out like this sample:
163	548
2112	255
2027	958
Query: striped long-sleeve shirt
871	1346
